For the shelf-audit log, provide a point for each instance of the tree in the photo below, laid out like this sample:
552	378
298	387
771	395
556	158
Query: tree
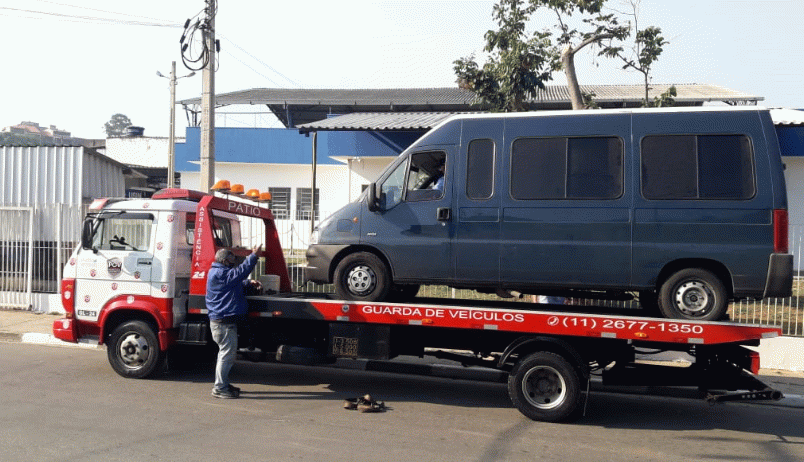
647	47
518	63
602	30
116	126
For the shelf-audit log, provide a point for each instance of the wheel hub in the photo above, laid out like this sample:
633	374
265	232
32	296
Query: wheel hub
361	280
134	350
544	387
693	298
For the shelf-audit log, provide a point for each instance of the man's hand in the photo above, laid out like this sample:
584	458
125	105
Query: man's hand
257	249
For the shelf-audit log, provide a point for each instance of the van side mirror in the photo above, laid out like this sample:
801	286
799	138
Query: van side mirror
86	235
372	201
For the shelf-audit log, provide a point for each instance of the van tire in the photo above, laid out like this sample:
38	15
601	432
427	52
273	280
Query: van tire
544	386
695	294
133	350
362	276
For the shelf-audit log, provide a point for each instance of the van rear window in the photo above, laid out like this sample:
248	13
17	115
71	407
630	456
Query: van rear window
567	168
697	167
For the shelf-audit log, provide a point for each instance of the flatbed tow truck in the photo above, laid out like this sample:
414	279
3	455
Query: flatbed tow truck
547	353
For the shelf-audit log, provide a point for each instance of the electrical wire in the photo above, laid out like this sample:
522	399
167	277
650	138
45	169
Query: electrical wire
92	19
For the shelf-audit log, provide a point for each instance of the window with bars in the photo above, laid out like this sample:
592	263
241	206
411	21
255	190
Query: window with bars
304	202
280	202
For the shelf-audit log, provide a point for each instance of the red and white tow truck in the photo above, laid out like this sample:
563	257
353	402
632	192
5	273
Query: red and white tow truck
136	283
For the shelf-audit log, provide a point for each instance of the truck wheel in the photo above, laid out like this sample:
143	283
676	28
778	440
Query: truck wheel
133	350
693	293
362	276
544	386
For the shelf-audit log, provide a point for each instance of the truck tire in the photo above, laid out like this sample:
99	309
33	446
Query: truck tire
695	294
133	350
546	387
362	276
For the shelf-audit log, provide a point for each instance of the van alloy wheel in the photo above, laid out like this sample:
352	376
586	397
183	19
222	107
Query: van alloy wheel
693	293
361	280
362	276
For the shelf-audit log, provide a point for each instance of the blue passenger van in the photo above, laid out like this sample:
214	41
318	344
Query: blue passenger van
686	207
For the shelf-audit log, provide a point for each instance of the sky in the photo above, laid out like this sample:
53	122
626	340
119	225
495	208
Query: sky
75	63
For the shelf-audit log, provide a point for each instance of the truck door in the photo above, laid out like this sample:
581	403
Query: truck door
119	262
414	225
477	240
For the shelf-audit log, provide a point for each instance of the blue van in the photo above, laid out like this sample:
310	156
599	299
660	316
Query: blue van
686	207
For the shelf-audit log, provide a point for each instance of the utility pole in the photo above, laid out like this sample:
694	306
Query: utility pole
208	103
171	178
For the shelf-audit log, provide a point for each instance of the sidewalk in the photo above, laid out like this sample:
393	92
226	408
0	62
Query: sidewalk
30	327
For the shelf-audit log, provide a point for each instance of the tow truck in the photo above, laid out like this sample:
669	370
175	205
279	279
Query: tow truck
137	280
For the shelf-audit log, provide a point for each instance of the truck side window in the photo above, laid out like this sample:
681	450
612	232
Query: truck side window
480	169
127	231
697	167
567	168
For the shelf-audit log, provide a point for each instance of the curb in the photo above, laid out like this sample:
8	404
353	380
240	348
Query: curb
47	339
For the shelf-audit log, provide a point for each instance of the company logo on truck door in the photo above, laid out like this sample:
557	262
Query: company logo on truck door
443	313
114	266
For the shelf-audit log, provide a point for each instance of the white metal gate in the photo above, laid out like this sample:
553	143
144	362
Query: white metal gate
16	256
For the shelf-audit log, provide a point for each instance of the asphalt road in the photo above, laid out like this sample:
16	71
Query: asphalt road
67	404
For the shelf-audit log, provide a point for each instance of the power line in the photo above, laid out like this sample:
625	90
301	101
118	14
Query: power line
100	11
92	19
293	82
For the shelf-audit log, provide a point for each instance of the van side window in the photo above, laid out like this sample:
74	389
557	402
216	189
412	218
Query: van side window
480	169
697	167
567	168
426	179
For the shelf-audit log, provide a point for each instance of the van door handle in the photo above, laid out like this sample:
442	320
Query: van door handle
443	214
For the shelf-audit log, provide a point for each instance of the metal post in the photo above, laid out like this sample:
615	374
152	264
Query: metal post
208	105
172	133
312	191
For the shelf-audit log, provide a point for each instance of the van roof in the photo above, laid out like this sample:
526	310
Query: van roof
589	113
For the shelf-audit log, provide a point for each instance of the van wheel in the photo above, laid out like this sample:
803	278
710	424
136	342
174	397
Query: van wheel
693	293
545	386
362	276
133	350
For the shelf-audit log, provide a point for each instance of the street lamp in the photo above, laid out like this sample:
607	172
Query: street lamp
172	133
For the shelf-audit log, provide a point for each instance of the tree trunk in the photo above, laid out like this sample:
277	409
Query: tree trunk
568	63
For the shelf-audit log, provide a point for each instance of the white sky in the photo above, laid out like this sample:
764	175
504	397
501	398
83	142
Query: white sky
69	69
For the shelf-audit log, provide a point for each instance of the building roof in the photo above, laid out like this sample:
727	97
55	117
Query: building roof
379	121
297	106
789	117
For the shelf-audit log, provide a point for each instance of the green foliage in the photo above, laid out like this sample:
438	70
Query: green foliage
648	45
666	99
116	126
518	64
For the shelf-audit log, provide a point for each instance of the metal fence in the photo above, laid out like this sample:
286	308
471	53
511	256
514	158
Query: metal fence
35	242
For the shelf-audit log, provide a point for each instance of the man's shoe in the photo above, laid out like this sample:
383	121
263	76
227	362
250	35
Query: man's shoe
234	389
225	394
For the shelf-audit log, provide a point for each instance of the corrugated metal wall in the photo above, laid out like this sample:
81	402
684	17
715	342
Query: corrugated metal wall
47	175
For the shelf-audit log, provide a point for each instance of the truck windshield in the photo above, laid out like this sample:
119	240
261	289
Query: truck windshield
125	231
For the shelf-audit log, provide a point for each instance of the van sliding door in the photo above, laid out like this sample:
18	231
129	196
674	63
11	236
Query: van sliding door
566	218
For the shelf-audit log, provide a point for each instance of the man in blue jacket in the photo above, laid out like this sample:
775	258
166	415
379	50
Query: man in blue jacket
226	304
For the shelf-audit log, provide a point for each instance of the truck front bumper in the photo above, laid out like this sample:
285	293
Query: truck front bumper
65	329
319	262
